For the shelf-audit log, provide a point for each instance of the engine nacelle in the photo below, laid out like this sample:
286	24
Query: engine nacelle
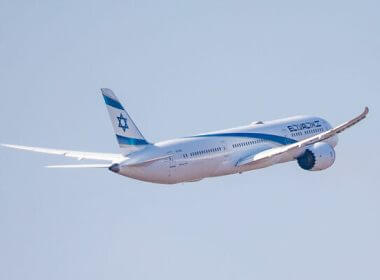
317	157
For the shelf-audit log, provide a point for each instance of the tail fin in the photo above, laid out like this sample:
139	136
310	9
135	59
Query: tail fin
128	135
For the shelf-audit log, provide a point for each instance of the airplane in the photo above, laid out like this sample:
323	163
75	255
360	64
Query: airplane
308	140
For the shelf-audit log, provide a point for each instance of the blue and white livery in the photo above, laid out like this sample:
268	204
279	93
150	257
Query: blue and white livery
308	140
128	135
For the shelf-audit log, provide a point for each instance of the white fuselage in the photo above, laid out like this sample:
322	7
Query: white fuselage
213	154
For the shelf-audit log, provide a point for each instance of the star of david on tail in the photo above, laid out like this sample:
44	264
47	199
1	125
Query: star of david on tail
128	135
122	122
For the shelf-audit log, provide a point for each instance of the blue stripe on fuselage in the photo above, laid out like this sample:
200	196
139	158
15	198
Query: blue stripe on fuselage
270	137
130	141
112	102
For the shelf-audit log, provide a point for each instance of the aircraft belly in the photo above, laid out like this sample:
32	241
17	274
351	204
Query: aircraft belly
226	165
157	172
171	174
195	170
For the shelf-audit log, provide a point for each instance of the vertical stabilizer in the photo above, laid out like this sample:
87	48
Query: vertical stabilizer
128	135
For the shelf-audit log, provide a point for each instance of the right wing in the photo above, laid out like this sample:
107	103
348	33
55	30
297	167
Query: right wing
292	151
73	154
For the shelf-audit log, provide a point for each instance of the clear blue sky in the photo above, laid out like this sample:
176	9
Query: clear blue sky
185	67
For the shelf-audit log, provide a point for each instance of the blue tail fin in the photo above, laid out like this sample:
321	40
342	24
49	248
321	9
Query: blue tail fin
128	135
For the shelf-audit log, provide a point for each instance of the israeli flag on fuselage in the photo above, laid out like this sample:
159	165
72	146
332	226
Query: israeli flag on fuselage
128	135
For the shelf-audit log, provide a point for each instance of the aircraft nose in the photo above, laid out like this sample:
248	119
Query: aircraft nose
115	168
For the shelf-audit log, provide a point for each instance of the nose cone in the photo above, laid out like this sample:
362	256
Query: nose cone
115	168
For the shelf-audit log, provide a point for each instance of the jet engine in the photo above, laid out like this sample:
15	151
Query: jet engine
317	157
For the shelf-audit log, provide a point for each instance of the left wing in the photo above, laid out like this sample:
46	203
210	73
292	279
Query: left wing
276	155
73	154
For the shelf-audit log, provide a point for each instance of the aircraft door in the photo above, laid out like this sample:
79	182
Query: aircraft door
224	147
172	163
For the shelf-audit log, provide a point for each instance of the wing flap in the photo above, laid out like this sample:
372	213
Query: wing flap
72	154
278	154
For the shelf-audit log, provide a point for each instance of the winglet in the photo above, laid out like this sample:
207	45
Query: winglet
366	110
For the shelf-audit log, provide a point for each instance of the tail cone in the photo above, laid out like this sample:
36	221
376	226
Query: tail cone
115	168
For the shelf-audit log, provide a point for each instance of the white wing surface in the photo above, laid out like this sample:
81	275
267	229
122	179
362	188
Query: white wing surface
72	154
276	155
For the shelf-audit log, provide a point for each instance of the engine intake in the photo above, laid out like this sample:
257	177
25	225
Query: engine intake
317	157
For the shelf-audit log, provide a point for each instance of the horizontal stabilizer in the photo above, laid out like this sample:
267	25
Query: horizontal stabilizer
80	166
